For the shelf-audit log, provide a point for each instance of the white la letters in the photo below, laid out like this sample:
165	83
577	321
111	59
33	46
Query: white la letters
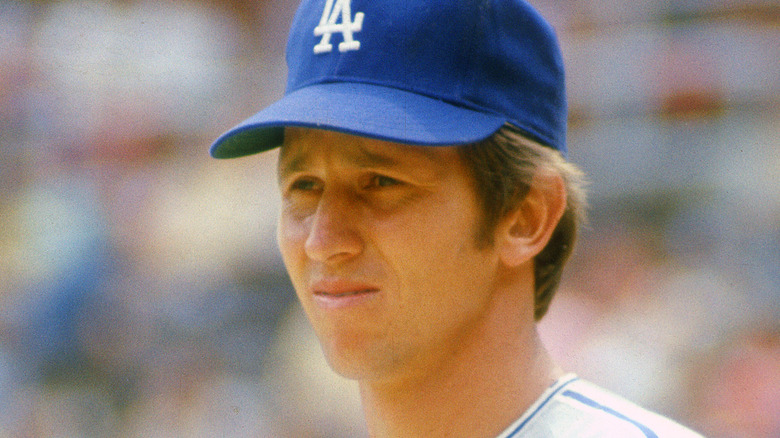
335	9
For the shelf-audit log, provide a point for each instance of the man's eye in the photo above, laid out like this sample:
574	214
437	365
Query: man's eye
383	181
304	185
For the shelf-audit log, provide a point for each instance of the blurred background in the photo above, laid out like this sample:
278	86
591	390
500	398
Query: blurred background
141	293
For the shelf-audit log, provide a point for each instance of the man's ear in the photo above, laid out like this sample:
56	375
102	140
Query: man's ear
524	232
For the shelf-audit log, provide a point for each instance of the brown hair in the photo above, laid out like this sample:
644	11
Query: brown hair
504	166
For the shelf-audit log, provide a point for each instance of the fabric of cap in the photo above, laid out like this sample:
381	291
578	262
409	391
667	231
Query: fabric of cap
439	72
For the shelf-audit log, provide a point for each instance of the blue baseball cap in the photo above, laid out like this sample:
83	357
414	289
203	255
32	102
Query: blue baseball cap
432	73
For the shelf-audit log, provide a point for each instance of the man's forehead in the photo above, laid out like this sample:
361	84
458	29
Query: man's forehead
303	144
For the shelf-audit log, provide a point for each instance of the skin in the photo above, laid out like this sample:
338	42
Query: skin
379	240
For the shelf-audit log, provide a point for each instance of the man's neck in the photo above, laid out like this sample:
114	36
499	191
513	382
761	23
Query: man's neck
483	386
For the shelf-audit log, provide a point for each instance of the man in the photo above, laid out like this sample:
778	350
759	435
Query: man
427	212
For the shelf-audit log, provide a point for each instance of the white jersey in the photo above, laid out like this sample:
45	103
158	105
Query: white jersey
576	408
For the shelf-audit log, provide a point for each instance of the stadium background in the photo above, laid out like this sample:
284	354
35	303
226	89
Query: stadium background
140	289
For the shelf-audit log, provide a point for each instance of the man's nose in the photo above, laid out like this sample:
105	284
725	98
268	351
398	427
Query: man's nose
333	235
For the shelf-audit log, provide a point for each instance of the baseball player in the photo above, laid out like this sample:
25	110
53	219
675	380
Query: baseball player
427	212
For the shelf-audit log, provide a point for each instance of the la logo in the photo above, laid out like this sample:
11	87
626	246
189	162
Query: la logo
335	9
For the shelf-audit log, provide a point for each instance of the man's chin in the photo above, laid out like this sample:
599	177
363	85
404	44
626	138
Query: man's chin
357	364
351	368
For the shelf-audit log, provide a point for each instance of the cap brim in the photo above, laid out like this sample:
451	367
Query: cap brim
361	109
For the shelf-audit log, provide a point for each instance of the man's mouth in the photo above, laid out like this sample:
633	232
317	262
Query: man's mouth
344	294
333	293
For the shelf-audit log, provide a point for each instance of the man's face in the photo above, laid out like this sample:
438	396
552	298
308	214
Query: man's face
379	241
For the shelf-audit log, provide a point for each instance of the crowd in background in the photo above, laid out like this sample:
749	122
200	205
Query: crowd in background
141	293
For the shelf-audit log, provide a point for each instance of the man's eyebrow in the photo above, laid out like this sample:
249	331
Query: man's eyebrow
360	156
364	157
290	165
